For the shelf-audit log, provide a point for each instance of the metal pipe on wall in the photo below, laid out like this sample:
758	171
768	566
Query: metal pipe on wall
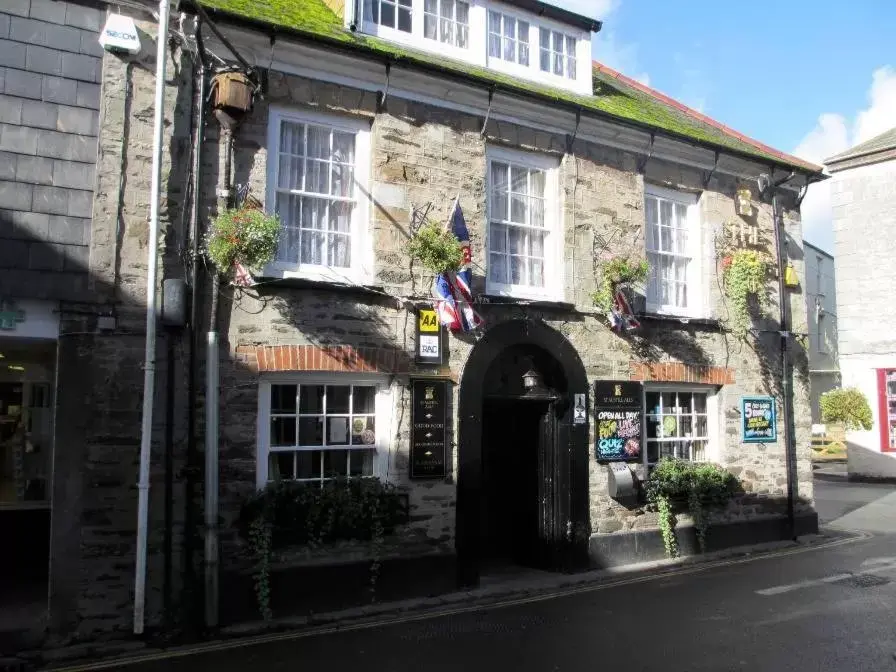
149	377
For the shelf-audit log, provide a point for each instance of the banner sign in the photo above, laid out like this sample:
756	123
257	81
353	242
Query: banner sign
759	420
429	337
618	408
429	428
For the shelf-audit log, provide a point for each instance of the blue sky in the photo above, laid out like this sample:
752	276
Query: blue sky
811	77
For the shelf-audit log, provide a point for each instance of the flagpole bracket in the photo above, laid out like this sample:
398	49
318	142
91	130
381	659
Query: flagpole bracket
381	99
642	163
488	111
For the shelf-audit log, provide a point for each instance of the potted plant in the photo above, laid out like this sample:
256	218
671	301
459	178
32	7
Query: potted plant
696	487
436	248
744	275
241	239
615	273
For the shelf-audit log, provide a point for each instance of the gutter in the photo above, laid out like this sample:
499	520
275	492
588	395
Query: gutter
389	60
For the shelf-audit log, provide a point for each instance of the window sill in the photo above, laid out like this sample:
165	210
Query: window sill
271	282
680	319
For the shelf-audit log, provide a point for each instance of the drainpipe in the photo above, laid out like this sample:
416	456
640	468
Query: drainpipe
786	381
149	378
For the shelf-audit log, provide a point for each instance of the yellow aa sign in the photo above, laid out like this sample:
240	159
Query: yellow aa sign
428	320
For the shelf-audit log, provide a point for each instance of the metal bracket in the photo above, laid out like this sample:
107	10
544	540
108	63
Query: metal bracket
803	192
708	176
488	111
381	101
642	163
570	139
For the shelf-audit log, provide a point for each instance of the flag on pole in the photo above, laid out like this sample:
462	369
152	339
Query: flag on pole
454	298
621	316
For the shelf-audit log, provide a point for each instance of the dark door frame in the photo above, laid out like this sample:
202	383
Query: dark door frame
571	511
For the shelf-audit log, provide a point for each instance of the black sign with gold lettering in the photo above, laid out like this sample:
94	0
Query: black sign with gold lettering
618	407
429	428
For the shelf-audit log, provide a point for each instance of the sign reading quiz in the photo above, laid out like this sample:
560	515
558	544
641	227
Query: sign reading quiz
618	406
758	417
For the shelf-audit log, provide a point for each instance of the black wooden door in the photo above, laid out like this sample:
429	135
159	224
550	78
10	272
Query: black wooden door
547	489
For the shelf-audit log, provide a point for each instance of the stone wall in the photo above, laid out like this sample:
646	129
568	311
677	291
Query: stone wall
49	102
423	154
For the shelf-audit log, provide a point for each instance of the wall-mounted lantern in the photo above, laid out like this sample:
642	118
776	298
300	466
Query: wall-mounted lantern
532	381
743	202
791	279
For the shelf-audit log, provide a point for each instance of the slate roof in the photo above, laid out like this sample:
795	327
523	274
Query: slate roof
881	143
615	95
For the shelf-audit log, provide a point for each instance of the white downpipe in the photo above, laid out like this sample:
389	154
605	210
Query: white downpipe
149	379
211	481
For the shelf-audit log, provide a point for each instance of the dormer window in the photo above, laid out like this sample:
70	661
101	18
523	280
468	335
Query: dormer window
508	38
394	14
558	53
522	39
447	21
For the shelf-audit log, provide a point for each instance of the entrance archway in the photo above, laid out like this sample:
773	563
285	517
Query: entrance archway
533	435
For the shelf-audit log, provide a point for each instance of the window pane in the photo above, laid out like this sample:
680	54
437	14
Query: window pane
509	47
571	68
698	451
700	426
665	213
650	210
544	38
431	6
429	26
283	398
311	399
536	244
494	45
522	33
291	172
387	14
337	431
463	12
364	431
361	462
311	431
517	271
308	463
518	209
536	273
653	402
570	46
337	398
652	452
289	209
363	399
681	214
536	183
292	138
283	431
686	426
497	267
335	463
516	239
499	190
497	239
280	466
685	401
519	180
524	53
700	403
343	147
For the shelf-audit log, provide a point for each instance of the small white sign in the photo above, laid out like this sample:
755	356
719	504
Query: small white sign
429	346
579	410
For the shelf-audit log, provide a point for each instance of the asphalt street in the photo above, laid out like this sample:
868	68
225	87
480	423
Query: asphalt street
823	609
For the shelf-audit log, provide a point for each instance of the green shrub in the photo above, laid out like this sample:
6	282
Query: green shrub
245	235
616	271
847	405
437	248
675	484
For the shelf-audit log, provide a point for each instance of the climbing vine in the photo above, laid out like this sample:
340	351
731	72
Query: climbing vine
289	514
677	484
745	273
618	271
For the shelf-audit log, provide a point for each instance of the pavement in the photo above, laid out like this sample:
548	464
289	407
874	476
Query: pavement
828	603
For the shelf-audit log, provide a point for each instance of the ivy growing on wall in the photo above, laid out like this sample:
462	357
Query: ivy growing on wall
745	273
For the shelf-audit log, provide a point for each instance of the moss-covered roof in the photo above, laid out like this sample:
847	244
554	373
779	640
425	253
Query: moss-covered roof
614	95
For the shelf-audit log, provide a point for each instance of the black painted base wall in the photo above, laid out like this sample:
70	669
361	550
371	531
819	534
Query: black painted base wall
299	591
614	550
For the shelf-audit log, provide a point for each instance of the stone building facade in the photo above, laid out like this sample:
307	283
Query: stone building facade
421	140
821	314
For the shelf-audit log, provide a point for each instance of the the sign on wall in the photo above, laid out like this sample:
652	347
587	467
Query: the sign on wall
619	412
429	337
429	428
758	420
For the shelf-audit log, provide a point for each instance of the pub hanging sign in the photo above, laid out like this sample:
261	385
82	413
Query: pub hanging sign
429	428
429	337
619	411
758	415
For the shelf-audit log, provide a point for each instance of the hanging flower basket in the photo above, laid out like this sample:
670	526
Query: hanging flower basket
242	239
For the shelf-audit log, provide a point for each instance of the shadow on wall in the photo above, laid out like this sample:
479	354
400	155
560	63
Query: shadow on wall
864	464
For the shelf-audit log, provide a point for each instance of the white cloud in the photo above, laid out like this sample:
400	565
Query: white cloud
596	9
621	57
833	133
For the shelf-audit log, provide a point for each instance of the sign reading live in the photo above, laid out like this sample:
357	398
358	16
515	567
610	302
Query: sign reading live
429	435
759	421
429	337
619	409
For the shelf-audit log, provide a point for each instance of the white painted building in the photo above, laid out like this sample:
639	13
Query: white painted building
863	196
821	315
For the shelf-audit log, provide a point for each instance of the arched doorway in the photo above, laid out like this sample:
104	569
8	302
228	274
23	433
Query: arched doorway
522	462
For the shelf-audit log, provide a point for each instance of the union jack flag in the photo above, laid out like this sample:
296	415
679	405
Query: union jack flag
621	316
454	299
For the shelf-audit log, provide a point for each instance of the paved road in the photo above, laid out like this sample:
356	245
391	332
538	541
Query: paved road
829	609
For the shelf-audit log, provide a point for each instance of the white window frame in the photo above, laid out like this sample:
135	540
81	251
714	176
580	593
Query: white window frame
695	282
361	269
476	52
438	16
383	412
553	219
494	60
565	54
714	432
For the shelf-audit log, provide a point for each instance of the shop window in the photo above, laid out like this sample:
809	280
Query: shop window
25	442
317	175
886	392
678	424
318	430
673	243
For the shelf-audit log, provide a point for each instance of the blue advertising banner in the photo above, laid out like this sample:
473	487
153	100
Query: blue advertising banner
759	421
